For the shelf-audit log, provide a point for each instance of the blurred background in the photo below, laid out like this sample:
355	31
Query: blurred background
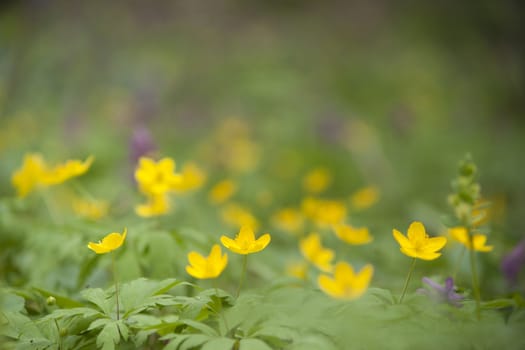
386	93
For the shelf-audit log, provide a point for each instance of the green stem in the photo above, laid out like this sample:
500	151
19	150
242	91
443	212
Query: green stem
458	263
50	206
407	280
59	335
113	265
243	274
474	272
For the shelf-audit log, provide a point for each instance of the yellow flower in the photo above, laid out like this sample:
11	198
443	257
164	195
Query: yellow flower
154	178
109	243
66	171
222	191
365	197
317	180
297	269
245	242
207	267
418	244
192	178
90	209
36	173
324	212
237	216
460	234
353	235
289	219
315	253
30	175
346	284
156	205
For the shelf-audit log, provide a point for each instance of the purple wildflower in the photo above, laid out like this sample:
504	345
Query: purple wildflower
442	294
513	262
141	144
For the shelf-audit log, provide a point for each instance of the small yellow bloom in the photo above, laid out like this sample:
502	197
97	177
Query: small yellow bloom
66	171
460	234
315	253
156	205
297	269
207	267
30	175
352	235
36	173
109	243
90	209
365	197
317	180
238	216
245	242
289	219
324	212
192	178
418	244
154	178
222	191
346	284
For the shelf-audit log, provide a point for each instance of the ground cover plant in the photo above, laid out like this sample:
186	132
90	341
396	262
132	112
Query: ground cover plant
273	197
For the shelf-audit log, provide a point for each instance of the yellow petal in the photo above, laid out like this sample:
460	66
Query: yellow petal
329	286
246	234
262	242
435	243
98	248
416	231
401	239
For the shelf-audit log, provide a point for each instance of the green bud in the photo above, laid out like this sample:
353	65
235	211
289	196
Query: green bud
51	300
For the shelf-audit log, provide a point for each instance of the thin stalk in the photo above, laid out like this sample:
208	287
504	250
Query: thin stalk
243	274
407	280
458	263
59	335
113	266
474	273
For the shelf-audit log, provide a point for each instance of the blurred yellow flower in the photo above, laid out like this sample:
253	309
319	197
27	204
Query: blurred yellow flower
245	242
297	269
91	209
419	244
155	178
156	205
315	253
30	175
109	243
288	219
317	180
222	191
192	178
238	216
352	235
207	267
68	170
324	212
36	173
478	240
346	284
365	197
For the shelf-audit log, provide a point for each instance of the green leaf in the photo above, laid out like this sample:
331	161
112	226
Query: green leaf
12	302
253	344
61	301
193	341
109	336
204	328
498	304
219	344
141	294
98	297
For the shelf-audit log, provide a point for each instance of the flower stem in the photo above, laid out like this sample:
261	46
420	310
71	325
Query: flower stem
474	273
243	274
407	280
113	265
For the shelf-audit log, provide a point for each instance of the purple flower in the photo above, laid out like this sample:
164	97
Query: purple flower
513	262
442	294
141	144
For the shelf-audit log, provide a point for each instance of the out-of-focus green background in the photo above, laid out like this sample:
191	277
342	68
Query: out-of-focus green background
380	92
